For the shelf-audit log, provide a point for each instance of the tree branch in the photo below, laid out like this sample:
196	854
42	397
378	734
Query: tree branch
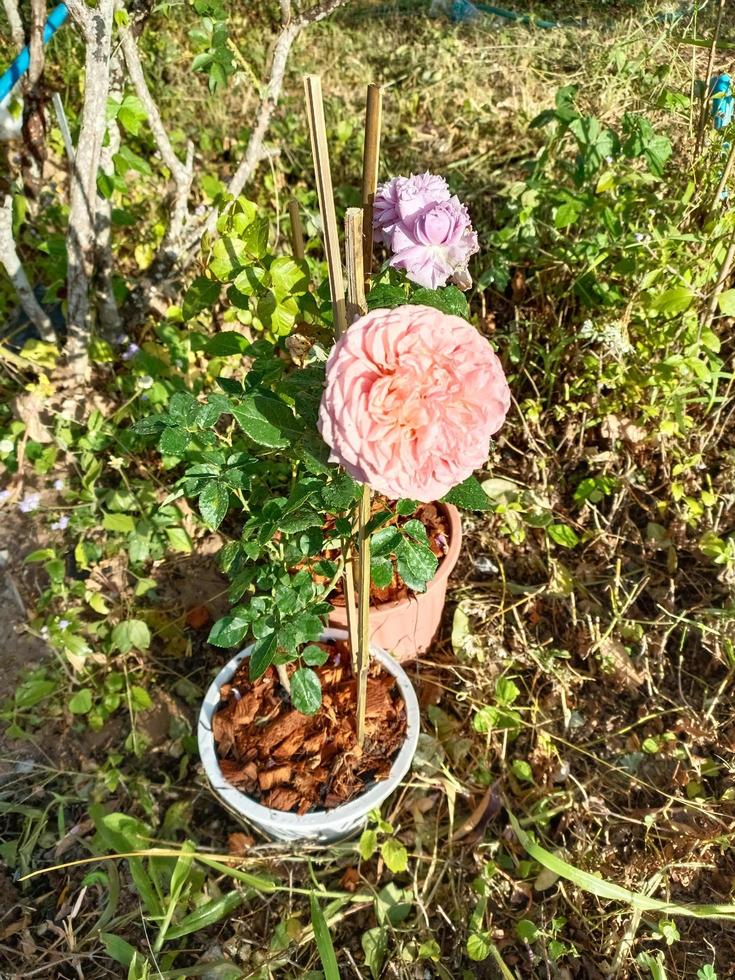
96	26
12	265
16	24
35	46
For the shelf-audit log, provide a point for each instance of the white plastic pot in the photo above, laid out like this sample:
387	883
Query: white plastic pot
321	826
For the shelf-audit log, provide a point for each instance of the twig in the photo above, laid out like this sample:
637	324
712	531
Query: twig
725	270
320	151
297	230
63	127
35	44
370	155
705	97
716	200
12	265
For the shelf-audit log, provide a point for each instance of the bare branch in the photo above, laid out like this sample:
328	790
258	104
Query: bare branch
16	24
108	314
97	28
182	173
82	16
319	12
35	46
12	265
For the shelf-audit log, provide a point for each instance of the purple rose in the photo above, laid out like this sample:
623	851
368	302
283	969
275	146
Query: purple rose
435	244
400	199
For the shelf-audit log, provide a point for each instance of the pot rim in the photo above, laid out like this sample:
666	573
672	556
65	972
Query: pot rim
278	821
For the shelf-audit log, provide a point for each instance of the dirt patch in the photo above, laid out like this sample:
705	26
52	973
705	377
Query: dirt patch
295	762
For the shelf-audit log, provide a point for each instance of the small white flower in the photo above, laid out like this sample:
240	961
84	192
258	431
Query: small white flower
58	484
144	381
4	494
639	236
64	624
29	503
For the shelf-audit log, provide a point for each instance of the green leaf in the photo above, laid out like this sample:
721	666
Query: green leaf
385	541
673	301
306	691
726	302
448	299
201	295
206	915
262	655
255	237
151	424
478	946
608	890
140	698
394	854
230	630
131	634
229	255
288	276
214	502
381	572
386	297
183	408
406	507
323	941
174	441
469	495
179	539
227	344
117	948
267	421
562	534
131	114
417	564
375	947
368	844
81	702
314	656
123	523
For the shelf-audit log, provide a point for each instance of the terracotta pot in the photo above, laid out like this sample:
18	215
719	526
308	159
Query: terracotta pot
321	826
407	628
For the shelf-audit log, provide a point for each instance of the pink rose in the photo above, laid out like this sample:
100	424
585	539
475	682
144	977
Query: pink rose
412	397
401	198
435	243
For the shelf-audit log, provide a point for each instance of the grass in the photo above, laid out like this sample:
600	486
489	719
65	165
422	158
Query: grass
581	694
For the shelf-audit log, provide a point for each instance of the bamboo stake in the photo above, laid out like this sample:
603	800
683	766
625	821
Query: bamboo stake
297	230
371	152
357	305
320	151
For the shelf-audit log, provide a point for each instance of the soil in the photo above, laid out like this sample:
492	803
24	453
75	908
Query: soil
436	522
295	762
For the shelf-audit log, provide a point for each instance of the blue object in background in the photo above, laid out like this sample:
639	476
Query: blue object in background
722	101
21	64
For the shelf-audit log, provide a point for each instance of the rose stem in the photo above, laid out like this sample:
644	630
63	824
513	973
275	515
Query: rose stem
356	306
320	153
370	154
297	230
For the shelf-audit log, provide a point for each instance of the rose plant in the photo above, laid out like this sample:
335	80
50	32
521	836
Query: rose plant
406	401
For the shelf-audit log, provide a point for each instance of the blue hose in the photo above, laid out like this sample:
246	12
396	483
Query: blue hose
21	64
